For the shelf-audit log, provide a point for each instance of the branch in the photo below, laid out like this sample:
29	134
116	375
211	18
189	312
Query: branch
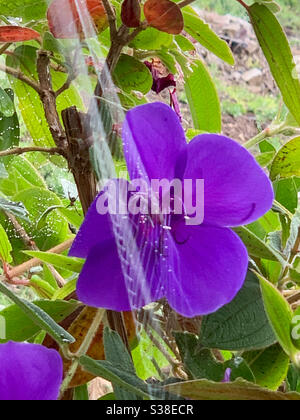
22	150
185	3
34	262
19	75
48	99
243	4
111	15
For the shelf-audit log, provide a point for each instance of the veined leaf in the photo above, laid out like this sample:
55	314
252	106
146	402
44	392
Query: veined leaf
239	390
5	246
280	316
202	33
39	317
203	99
22	328
61	261
256	246
277	51
287	161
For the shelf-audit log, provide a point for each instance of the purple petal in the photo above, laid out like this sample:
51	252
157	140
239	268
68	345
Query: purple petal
122	277
29	372
209	269
153	142
96	227
227	375
237	191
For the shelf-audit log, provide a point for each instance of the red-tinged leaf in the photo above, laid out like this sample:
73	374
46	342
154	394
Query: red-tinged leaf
70	19
131	13
17	34
164	15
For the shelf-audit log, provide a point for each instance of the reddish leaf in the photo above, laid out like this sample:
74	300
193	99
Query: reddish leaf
131	13
17	34
71	19
164	15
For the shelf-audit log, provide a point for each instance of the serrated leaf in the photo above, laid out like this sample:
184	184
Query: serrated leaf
240	325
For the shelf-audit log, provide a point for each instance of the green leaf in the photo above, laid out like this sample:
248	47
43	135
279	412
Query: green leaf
22	175
287	160
144	353
27	9
202	33
7	108
81	393
22	328
184	43
117	354
203	99
257	247
9	127
277	51
36	201
286	193
39	317
198	363
269	366
280	316
60	261
17	209
116	375
239	390
152	39
240	325
264	159
201	364
5	246
24	58
131	74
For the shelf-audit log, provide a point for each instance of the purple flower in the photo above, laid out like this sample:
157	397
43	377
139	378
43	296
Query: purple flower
29	372
160	83
135	260
227	375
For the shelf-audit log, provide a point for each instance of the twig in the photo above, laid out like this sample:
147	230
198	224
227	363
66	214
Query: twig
5	47
19	75
185	3
22	150
65	86
243	4
111	15
29	243
34	262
